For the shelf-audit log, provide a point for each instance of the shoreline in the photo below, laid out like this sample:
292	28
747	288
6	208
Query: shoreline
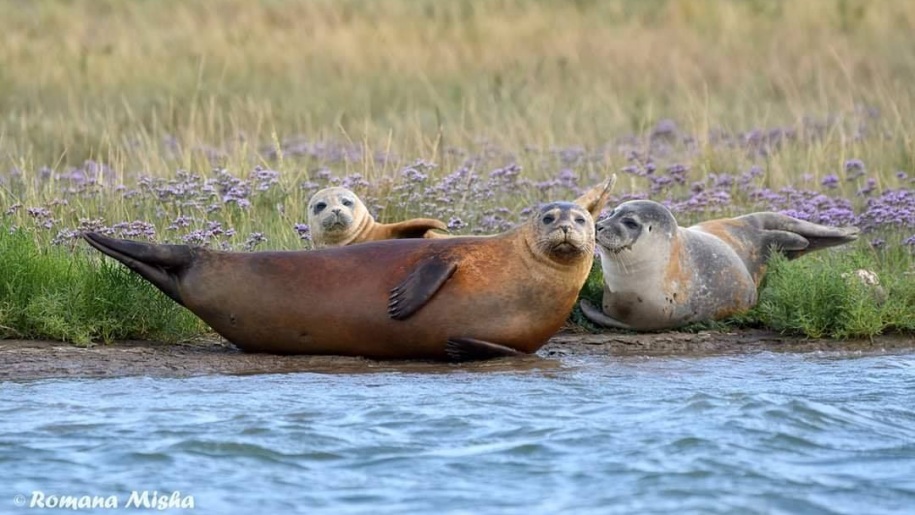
31	359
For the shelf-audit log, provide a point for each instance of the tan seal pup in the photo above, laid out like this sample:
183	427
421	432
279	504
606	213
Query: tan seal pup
658	275
456	298
337	217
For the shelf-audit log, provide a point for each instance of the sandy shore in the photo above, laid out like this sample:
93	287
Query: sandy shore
29	359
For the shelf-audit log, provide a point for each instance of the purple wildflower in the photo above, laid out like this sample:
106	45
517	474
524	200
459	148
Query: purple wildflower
854	168
355	182
197	237
254	239
665	129
455	224
264	179
65	237
830	181
677	173
868	188
303	231
135	229
38	212
568	178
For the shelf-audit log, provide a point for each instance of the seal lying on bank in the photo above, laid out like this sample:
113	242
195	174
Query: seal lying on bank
456	298
337	217
658	275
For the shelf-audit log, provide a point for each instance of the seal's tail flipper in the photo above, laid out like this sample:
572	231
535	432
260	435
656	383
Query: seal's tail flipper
594	200
158	264
817	236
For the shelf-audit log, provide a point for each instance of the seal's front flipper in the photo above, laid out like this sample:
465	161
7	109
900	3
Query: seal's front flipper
471	349
427	277
158	264
600	318
416	228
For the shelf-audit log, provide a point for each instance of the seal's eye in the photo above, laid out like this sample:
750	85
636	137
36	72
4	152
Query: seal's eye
320	206
347	202
580	220
548	219
630	223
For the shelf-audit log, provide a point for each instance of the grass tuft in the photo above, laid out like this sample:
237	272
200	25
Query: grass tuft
51	293
821	296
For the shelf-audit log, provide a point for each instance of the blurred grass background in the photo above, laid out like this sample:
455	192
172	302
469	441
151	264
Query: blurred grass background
119	82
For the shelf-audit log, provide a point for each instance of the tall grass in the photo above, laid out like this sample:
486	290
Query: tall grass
146	89
151	86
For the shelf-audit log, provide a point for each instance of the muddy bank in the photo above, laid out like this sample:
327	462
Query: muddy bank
27	359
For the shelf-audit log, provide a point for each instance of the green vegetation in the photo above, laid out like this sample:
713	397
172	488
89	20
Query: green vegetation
51	293
116	114
823	296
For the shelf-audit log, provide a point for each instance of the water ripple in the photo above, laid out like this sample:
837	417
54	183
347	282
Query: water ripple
764	433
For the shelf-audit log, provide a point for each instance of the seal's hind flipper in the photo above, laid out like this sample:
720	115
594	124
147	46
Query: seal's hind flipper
416	228
158	264
419	287
817	236
600	318
471	349
594	200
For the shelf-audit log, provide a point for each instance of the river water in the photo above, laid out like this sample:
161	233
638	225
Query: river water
759	433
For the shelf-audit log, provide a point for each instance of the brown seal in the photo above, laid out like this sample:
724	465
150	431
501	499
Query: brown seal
457	298
337	217
658	275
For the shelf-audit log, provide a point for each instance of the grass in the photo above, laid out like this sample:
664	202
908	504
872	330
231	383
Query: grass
146	89
821	296
50	293
153	86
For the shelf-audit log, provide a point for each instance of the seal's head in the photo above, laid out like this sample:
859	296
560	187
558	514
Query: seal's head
335	215
563	232
633	222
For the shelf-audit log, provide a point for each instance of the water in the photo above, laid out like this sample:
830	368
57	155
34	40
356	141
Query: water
761	433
